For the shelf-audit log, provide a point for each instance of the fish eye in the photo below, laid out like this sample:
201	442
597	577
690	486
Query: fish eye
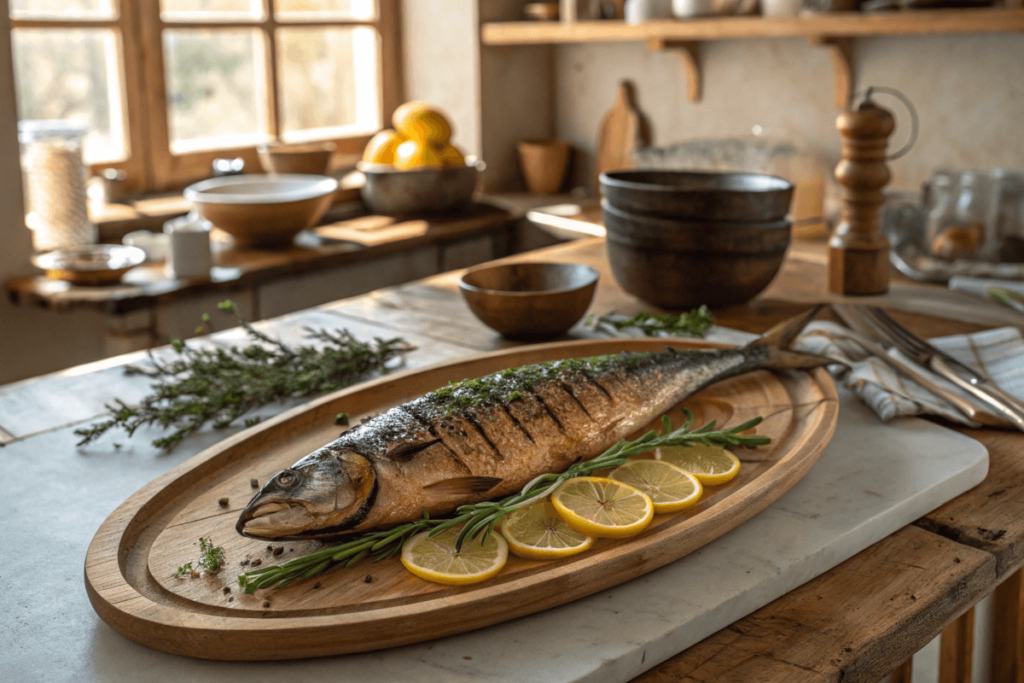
287	479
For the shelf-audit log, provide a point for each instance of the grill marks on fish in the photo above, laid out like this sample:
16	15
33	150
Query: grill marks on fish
515	421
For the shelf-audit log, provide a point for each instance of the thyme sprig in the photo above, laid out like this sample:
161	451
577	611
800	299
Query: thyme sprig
483	517
211	560
696	323
218	385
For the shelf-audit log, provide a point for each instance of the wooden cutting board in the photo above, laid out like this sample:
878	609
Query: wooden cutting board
132	559
622	130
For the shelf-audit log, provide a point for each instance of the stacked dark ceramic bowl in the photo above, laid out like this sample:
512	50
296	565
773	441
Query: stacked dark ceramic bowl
678	239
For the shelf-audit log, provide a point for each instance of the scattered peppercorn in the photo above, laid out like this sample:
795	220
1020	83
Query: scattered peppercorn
278	550
223	502
368	578
255	483
956	560
257	562
270	548
231	599
316	585
266	604
341	419
227	590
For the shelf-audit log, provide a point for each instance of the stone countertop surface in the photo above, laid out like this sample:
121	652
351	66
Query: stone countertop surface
59	495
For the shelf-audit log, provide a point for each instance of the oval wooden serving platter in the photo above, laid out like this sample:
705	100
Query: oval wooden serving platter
131	561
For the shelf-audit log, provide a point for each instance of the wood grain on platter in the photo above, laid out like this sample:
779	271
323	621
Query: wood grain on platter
133	557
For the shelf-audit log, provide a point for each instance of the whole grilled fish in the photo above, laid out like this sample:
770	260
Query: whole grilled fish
488	437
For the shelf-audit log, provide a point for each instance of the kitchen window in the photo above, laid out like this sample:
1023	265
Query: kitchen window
166	86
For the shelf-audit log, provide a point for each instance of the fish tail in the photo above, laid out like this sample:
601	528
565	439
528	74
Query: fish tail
777	340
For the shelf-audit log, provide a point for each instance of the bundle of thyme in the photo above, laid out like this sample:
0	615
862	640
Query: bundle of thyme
696	323
219	385
482	517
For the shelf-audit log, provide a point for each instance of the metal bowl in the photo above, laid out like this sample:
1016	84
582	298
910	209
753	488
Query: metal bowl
681	264
263	210
94	264
529	300
388	192
699	195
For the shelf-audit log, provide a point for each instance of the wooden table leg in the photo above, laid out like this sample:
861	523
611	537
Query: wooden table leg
957	649
904	673
1008	631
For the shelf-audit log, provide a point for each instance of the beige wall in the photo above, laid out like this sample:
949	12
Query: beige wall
969	91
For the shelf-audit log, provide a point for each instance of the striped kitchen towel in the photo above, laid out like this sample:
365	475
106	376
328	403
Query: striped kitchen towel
997	354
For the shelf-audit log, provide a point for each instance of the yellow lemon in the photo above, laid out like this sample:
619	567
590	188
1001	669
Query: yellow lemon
603	508
536	532
435	559
451	157
713	465
382	147
423	122
670	488
412	154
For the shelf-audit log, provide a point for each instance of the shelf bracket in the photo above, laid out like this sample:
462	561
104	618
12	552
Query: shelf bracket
687	51
841	50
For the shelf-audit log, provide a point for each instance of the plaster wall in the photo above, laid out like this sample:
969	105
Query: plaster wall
968	91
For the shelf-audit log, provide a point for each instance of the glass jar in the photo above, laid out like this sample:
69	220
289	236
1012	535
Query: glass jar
55	184
1006	242
944	234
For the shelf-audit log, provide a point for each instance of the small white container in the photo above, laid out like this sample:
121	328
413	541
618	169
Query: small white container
687	9
639	11
190	255
780	8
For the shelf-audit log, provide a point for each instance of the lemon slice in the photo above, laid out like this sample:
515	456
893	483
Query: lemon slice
670	488
603	508
435	559
536	532
713	465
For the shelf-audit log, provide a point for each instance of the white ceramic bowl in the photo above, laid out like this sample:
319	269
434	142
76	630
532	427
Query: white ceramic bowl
263	210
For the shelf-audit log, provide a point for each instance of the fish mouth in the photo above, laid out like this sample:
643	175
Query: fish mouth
275	520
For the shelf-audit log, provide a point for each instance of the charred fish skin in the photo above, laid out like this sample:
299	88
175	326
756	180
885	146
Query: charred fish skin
484	438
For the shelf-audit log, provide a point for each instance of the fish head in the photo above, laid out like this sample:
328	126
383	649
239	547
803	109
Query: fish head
324	494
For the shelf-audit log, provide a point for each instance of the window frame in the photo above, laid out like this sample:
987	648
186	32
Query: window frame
138	29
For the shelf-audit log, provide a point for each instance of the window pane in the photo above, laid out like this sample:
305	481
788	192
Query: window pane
210	10
73	74
215	88
328	82
317	10
62	9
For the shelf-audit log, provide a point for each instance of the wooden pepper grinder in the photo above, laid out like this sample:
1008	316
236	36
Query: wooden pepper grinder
858	253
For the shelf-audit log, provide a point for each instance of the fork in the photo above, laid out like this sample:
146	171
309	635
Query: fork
883	327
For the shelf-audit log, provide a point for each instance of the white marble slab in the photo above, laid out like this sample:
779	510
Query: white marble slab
870	482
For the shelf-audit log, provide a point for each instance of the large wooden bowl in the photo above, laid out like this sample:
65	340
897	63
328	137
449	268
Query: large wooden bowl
699	195
529	300
681	264
263	210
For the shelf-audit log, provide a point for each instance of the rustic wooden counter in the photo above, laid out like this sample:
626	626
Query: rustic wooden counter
857	622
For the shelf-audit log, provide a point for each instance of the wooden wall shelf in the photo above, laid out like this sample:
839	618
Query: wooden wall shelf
837	25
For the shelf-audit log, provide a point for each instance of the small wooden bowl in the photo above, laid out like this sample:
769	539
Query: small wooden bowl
312	158
95	264
529	300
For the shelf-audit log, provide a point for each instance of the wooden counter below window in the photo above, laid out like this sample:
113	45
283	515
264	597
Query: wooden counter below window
330	262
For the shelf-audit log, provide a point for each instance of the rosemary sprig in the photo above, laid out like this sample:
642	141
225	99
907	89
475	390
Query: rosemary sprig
696	323
482	517
219	385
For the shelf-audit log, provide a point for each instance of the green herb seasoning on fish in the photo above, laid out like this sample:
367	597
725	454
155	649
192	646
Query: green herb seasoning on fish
487	437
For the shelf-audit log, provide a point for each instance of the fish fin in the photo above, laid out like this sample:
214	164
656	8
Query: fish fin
463	485
777	341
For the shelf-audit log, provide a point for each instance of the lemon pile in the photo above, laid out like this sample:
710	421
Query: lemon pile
579	511
421	138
